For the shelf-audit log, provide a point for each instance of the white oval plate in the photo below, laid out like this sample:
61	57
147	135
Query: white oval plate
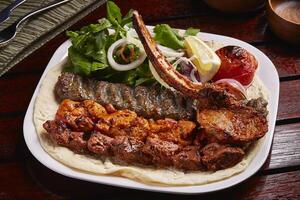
267	73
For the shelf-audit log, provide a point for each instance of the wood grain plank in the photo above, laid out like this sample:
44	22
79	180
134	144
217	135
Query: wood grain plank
286	149
34	180
245	27
157	10
289	104
160	9
23	181
285	58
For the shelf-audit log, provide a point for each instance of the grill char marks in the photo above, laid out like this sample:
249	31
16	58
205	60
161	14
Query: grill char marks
75	88
62	135
153	102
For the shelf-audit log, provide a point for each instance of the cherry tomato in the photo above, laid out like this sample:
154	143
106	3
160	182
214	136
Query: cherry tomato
236	63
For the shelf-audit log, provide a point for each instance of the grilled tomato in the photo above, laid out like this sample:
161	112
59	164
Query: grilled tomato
236	63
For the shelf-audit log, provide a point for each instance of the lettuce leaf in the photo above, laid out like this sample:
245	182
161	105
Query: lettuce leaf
166	36
88	50
169	37
113	13
80	64
191	31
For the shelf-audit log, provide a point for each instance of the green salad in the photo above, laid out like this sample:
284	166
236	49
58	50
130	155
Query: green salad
110	49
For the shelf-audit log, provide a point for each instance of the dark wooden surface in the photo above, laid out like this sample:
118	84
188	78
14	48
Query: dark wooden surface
23	177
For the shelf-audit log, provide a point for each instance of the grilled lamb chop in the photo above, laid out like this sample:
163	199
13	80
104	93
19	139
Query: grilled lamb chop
214	102
206	93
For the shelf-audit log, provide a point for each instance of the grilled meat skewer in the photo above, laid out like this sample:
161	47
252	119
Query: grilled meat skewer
154	102
89	128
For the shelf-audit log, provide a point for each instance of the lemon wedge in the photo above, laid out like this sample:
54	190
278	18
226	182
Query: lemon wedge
203	57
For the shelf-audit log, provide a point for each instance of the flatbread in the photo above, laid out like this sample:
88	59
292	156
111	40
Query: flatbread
46	106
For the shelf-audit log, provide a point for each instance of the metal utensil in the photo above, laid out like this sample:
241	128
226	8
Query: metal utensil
9	33
5	13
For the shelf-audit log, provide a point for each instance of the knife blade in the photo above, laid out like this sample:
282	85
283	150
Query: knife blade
5	13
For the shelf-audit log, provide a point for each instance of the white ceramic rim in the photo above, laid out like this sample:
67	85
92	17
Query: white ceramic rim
269	76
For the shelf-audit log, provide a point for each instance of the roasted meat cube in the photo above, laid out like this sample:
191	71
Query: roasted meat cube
188	159
139	129
115	124
178	132
123	123
59	133
128	149
80	116
216	156
160	152
100	144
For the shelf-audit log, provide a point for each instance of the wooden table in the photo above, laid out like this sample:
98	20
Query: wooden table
23	177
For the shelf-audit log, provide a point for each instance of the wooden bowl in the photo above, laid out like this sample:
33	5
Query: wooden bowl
235	6
284	22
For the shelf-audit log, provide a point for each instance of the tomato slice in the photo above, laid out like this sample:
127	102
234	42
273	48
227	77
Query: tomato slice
236	63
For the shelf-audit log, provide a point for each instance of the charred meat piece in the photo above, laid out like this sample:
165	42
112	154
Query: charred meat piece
154	102
59	133
128	149
79	115
116	124
233	126
178	132
161	152
188	159
215	156
73	87
100	144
